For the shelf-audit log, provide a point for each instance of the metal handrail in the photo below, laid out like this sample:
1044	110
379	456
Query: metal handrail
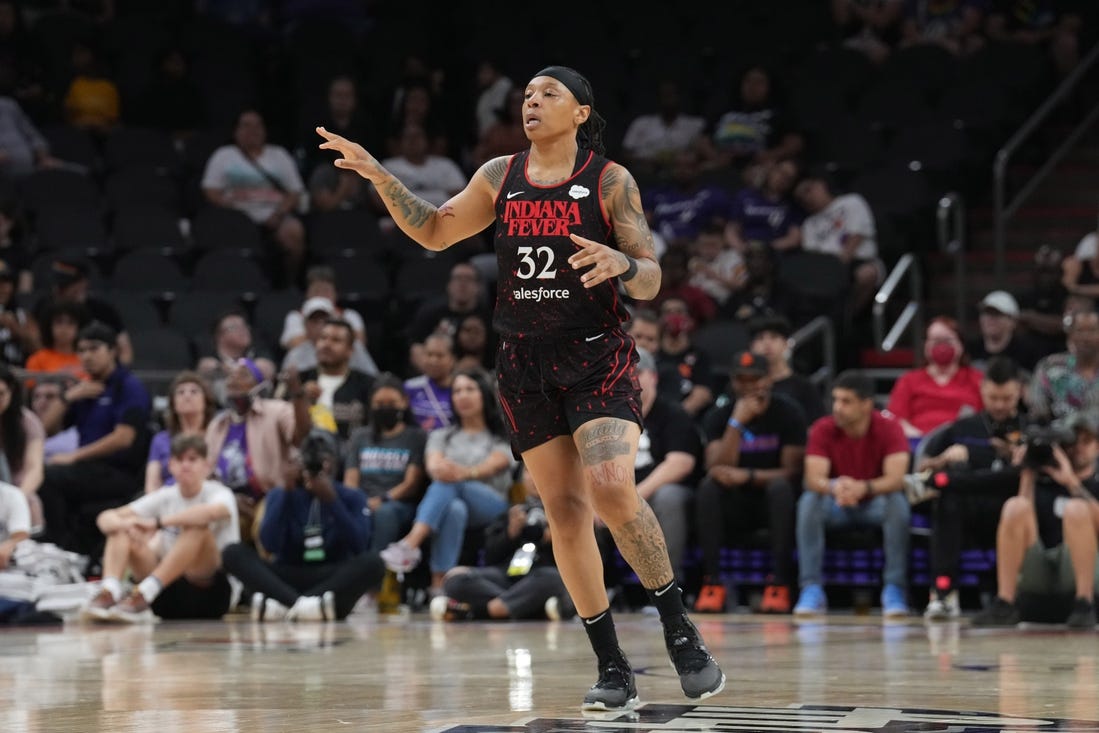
950	216
1004	210
820	327
906	270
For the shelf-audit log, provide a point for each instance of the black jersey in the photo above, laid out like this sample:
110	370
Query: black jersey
539	294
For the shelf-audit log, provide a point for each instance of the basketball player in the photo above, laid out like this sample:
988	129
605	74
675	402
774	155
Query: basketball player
569	229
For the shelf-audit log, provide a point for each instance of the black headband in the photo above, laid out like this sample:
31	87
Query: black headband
573	81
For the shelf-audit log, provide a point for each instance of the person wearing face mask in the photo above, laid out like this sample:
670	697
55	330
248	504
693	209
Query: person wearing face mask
939	392
1068	382
968	464
250	440
385	459
684	371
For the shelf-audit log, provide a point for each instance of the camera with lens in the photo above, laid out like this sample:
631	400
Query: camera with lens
1040	441
314	449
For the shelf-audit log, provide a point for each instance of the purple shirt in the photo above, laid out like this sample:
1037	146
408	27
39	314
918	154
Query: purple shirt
679	214
759	217
233	467
160	450
429	403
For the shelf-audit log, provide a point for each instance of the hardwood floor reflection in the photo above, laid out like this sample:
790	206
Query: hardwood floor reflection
377	674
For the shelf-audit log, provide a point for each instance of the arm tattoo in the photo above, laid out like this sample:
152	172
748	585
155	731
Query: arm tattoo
642	545
495	170
622	198
411	208
602	442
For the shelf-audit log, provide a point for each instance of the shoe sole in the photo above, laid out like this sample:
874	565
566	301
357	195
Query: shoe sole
710	693
601	707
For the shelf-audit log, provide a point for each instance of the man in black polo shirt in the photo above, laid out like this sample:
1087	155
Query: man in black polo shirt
754	454
970	461
770	337
334	388
110	411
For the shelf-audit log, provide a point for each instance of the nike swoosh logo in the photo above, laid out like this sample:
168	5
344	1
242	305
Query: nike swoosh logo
659	593
513	194
593	338
590	621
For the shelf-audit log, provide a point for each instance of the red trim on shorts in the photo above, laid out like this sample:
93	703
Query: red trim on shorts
612	378
507	411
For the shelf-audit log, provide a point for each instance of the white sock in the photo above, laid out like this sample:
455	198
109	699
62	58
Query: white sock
112	586
149	588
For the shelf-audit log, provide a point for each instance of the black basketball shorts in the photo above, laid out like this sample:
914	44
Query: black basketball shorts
551	388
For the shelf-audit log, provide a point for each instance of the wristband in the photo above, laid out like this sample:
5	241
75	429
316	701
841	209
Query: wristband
631	270
738	426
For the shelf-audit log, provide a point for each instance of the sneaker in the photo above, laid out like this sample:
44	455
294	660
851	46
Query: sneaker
443	608
811	602
99	607
400	558
699	675
943	608
133	609
615	688
776	599
893	602
267	609
1082	616
313	608
711	599
559	608
1000	613
916	488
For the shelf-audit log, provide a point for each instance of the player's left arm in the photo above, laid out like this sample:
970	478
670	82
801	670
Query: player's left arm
634	263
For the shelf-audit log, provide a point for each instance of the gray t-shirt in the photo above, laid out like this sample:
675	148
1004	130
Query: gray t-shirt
469	449
382	462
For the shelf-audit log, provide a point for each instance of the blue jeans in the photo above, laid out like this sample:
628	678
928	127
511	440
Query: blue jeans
392	520
819	512
449	508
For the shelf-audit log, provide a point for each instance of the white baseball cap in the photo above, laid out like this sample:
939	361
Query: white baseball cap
1002	302
318	304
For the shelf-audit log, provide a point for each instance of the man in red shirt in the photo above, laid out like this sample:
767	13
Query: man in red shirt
855	461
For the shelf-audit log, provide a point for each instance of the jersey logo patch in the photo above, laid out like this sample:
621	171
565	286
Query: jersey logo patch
579	192
513	194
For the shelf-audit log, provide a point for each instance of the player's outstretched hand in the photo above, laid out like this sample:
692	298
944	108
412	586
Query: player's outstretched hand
355	157
605	262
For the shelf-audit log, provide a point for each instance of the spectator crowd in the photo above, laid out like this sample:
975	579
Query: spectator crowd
330	422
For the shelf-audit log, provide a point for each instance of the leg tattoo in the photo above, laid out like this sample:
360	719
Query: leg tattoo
641	543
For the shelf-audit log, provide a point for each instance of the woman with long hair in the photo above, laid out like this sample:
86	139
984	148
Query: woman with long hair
22	438
191	406
385	459
470	465
938	391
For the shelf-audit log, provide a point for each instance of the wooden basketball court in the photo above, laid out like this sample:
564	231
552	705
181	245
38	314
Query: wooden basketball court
382	673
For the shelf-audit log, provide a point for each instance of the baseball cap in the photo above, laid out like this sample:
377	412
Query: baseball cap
1001	301
645	360
318	304
749	364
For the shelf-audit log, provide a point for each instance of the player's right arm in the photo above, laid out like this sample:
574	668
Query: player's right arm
468	212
